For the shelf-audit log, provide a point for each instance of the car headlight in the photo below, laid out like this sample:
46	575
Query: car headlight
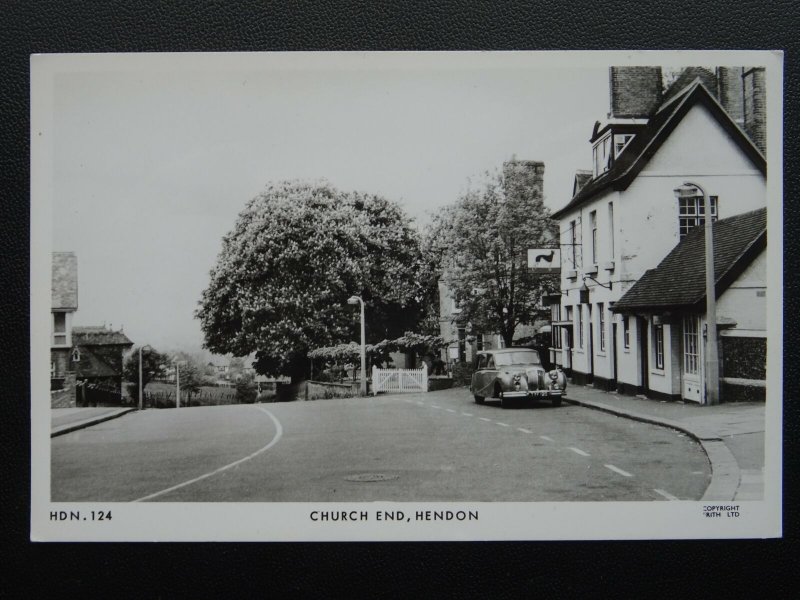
558	379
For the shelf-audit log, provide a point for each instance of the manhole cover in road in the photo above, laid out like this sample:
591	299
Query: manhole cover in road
370	477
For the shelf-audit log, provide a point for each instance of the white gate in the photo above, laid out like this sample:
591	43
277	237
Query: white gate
399	380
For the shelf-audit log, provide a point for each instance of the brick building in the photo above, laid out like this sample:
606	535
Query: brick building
64	303
85	362
97	355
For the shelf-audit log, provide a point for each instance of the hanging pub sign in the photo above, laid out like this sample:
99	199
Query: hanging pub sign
545	260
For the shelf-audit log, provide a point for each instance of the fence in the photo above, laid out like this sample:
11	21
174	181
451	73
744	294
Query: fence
206	397
399	380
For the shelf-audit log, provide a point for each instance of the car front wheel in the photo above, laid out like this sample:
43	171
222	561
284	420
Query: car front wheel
478	399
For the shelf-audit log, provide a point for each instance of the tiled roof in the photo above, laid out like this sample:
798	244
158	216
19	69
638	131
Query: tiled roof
93	365
582	177
64	281
679	280
647	142
99	336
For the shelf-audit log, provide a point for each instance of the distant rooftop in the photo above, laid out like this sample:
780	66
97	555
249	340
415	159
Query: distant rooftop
99	335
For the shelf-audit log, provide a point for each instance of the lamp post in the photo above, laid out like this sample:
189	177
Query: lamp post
141	404
690	190
178	382
358	300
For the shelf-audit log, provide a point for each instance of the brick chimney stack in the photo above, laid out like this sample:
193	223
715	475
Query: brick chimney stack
755	106
729	92
635	91
527	175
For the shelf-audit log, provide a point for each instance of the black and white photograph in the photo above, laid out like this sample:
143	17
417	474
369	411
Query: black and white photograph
406	295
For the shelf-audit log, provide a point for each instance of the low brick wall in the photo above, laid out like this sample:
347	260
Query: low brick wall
734	392
743	358
439	383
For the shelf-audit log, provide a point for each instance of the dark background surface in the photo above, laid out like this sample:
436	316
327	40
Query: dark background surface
375	570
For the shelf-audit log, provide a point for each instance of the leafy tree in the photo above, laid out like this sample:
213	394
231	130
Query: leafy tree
482	243
153	364
235	367
246	391
193	373
298	251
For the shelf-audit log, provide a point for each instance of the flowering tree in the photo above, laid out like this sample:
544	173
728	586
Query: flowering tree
298	251
481	243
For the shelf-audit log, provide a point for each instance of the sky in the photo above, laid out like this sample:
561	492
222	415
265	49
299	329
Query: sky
151	166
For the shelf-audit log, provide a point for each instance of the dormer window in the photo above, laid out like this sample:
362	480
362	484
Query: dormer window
601	152
621	140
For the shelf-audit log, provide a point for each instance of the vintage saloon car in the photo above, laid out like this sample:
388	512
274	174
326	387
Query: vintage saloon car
514	374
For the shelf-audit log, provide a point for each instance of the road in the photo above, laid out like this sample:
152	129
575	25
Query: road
439	446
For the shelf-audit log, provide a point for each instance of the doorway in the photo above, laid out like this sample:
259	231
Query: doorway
644	353
590	347
692	363
614	355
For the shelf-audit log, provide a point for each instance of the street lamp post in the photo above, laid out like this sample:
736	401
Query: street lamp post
358	300
178	382
141	404
690	190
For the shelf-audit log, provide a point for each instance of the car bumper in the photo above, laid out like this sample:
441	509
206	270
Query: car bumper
533	394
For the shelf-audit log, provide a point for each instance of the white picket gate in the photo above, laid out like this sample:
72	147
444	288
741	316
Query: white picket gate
399	380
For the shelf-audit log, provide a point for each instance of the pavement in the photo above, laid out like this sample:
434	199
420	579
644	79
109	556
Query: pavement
732	435
65	420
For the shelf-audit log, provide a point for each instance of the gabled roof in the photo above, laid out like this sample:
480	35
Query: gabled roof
648	141
93	365
64	281
582	177
99	336
679	280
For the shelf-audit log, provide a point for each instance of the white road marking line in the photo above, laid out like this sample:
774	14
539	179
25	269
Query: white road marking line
420	403
579	451
546	439
434	406
278	434
485	419
523	430
666	495
466	414
450	410
618	470
502	424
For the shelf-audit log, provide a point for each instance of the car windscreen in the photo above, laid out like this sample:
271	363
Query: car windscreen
507	359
